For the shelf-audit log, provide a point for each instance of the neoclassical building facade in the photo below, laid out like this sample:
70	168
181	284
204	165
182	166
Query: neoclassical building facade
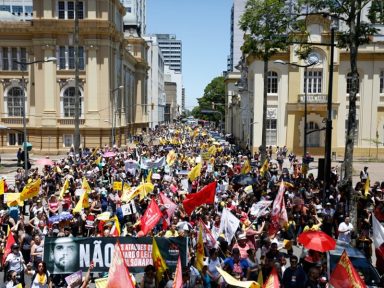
286	98
112	72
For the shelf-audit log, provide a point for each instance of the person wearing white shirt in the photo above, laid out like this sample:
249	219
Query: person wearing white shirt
345	230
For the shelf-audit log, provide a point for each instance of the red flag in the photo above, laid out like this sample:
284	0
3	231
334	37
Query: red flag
209	233
178	281
171	207
150	218
345	275
10	242
272	280
205	196
118	272
279	215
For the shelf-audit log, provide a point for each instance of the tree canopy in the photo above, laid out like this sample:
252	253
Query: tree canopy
213	100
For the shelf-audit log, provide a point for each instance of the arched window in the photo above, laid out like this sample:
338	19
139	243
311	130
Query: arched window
272	82
69	102
15	100
313	139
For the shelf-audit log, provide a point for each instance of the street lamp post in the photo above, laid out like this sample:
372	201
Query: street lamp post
114	104
312	61
23	66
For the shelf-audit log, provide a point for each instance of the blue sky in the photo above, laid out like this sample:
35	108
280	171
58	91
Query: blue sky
203	26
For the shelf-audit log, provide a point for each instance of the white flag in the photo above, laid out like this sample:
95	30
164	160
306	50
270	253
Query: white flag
260	208
228	225
378	232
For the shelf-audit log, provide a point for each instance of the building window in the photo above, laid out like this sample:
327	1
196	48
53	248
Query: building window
271	131
313	139
313	81
66	9
272	82
10	56
5	58
17	10
15	102
14	59
68	140
15	139
356	134
349	83
5	8
66	56
381	82
69	102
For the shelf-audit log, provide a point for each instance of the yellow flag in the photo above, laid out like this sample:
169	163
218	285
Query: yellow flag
158	261
264	168
149	177
171	157
85	186
83	203
101	282
144	189
13	199
195	172
65	187
117	231
200	250
212	150
30	190
98	160
366	187
229	279
246	168
260	278
1	186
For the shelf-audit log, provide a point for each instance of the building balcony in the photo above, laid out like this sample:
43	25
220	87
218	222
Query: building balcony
13	121
69	122
314	98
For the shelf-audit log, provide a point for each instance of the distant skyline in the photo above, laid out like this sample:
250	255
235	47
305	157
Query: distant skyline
203	26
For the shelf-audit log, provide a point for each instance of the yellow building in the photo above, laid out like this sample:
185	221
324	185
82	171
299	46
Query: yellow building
286	98
107	60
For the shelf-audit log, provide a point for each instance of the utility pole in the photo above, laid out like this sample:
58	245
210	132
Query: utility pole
76	140
328	131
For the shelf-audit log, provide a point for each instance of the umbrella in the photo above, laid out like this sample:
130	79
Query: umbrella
63	216
44	161
244	180
317	240
109	154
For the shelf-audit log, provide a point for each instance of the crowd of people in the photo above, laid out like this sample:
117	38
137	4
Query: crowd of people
243	181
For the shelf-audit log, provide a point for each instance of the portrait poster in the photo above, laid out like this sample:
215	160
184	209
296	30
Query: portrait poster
66	255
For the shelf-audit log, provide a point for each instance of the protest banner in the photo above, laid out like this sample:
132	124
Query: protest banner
137	252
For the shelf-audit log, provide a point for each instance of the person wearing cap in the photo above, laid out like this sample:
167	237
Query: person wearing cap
242	245
15	262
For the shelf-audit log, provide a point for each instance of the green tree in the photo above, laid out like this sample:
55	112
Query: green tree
266	24
355	34
213	100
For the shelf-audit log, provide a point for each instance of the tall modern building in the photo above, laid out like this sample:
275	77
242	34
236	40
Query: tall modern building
172	51
23	9
135	16
236	35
